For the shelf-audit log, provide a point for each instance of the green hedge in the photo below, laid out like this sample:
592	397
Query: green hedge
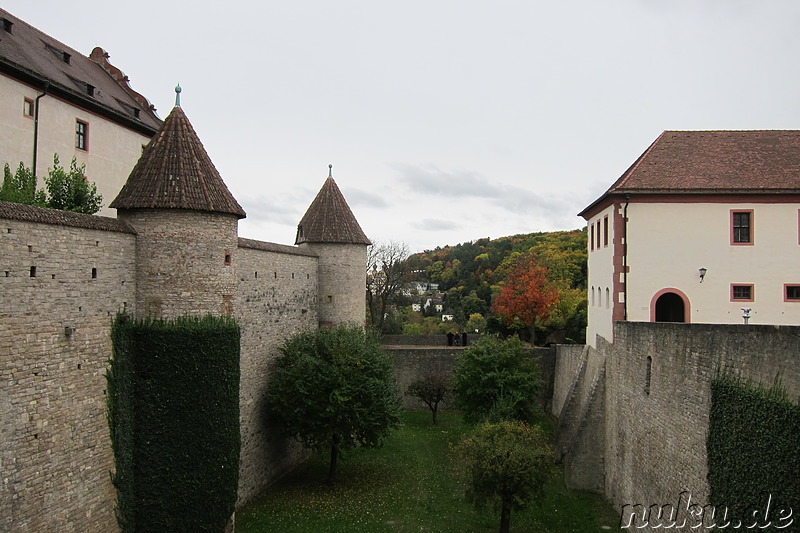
173	410
753	449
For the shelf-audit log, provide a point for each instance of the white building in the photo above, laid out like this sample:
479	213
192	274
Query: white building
53	100
702	225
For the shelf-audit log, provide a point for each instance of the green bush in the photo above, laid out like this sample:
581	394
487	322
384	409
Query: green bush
334	389
753	449
173	410
496	380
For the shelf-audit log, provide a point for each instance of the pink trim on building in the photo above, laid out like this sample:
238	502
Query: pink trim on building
752	292
751	229
687	308
786	292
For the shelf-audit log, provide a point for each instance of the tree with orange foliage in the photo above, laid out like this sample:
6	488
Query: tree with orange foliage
526	296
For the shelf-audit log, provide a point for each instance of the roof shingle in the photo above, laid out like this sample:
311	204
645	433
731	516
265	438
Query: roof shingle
175	172
329	219
714	162
49	65
44	215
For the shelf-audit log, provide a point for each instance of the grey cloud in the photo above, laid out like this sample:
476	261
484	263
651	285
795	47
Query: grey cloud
429	180
272	209
434	224
359	197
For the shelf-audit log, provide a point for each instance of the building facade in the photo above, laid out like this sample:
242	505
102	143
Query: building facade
704	227
53	100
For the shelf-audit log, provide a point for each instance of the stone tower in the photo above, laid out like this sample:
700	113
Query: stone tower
186	221
330	230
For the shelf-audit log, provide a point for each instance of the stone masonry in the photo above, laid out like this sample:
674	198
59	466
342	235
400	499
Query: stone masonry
639	433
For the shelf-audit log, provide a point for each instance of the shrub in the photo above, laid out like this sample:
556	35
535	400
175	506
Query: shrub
496	380
753	451
334	389
173	411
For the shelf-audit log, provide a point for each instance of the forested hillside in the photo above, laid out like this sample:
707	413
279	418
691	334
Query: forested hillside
530	284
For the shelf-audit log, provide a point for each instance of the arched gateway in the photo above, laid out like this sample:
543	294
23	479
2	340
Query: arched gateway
669	305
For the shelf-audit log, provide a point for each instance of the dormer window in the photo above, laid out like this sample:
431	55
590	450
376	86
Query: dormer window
85	88
60	54
130	109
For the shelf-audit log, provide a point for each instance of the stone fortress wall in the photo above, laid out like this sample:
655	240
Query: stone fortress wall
633	415
61	286
634	418
64	277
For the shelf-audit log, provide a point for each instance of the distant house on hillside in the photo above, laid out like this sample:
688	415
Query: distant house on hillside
55	100
704	226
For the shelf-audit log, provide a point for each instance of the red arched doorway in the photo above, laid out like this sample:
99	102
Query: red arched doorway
670	305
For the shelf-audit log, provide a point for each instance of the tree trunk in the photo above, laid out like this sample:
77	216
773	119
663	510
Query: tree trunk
505	518
334	455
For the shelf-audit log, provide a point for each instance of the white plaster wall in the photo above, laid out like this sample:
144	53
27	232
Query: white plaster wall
601	276
669	242
113	149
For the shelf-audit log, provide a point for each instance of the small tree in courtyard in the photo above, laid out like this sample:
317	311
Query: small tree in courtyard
496	380
334	389
506	466
431	390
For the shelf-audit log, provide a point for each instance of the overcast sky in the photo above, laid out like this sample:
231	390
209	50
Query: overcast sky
445	121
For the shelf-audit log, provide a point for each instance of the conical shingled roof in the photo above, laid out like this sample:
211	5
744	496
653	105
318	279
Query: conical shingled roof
329	219
175	172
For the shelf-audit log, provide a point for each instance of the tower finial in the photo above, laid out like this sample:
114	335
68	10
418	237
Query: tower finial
330	171
178	95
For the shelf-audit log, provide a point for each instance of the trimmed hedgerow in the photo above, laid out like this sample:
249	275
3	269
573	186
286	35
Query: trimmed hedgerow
173	410
753	450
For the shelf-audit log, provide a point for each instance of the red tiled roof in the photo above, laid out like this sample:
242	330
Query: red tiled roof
714	162
175	172
37	59
329	219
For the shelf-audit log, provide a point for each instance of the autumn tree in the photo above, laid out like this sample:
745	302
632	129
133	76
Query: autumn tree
505	466
526	296
388	273
431	390
334	390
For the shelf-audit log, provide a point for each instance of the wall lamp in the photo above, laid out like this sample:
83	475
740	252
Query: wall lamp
703	271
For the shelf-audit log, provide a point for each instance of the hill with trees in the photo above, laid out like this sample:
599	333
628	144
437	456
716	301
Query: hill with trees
530	284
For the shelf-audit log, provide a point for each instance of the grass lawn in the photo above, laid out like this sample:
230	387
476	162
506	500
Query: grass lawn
407	486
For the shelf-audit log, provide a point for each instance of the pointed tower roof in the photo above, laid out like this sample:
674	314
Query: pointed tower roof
329	219
175	172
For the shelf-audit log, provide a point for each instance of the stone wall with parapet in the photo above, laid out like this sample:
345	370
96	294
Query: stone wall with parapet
657	418
416	362
425	340
276	298
651	442
63	277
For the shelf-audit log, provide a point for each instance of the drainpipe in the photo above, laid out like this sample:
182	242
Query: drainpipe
625	256
36	126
